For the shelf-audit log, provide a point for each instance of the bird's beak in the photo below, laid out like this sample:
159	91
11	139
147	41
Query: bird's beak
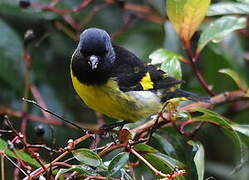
93	61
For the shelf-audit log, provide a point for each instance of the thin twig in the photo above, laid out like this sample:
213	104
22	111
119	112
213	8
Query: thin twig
156	121
2	167
22	138
51	7
201	79
37	95
96	9
16	166
157	172
68	149
10	112
17	172
18	114
111	148
131	168
48	111
192	61
43	146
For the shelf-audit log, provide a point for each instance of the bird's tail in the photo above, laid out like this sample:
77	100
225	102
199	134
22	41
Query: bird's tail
181	93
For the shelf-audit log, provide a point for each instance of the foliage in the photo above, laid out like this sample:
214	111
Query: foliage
193	40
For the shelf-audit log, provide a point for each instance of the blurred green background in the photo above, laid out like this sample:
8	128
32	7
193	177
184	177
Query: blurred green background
54	44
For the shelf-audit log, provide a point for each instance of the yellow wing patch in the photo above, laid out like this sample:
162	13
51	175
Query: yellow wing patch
146	82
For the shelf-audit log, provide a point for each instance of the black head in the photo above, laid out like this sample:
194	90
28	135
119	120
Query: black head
94	56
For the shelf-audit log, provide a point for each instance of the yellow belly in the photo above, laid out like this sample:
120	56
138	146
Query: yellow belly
106	99
109	100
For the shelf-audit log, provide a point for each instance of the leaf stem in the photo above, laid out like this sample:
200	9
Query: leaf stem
157	172
111	148
192	61
200	78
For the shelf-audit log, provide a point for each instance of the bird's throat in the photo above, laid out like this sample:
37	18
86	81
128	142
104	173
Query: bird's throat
86	75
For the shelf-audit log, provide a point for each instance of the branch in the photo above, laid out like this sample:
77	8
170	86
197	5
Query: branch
68	149
156	171
51	7
222	98
200	78
19	114
192	62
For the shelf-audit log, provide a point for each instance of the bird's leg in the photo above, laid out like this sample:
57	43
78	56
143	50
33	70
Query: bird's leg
108	128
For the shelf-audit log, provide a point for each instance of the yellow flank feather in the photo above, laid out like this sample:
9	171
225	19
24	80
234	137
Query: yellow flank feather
146	82
110	100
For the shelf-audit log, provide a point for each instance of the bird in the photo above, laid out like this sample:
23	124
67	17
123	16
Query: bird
115	82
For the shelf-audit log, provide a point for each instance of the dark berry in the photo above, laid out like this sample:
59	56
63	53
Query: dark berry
121	3
39	130
18	144
24	3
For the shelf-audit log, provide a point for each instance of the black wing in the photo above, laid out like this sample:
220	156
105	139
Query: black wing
134	75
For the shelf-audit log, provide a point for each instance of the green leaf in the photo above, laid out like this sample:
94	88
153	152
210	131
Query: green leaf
244	1
88	157
25	157
144	148
212	117
10	56
125	174
163	162
233	51
226	8
171	162
173	68
186	16
117	163
171	40
215	118
198	158
243	129
81	169
160	161
169	62
161	55
30	14
235	76
165	144
10	42
217	30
